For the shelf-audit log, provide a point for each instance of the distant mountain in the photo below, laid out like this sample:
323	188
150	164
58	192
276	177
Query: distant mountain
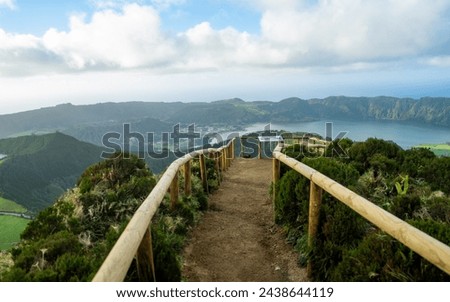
91	122
39	168
435	111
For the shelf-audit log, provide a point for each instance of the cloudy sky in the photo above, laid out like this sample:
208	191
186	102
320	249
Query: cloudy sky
89	51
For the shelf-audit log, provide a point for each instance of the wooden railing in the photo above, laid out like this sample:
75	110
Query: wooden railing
135	241
429	248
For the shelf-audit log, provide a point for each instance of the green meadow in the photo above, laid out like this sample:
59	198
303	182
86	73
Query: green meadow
10	206
438	149
10	230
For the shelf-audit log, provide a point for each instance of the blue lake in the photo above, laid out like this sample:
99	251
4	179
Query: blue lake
405	135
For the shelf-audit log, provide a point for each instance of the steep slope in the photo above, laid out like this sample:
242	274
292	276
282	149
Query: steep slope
40	168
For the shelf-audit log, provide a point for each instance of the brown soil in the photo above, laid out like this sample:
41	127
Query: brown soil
237	239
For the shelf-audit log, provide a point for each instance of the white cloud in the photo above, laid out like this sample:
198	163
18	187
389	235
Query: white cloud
128	39
219	49
354	30
324	34
11	4
13	41
24	55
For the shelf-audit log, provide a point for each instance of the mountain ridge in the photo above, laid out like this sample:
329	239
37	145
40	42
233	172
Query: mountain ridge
67	117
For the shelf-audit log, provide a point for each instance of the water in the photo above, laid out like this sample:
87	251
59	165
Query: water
404	134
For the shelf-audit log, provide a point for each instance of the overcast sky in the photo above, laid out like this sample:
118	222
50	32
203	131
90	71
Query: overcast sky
89	51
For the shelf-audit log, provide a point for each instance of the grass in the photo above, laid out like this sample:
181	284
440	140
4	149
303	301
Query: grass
10	230
10	206
438	149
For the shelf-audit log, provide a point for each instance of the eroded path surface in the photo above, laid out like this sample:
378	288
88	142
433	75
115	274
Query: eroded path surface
237	239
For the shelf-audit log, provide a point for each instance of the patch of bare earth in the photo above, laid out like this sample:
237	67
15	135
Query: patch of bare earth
237	239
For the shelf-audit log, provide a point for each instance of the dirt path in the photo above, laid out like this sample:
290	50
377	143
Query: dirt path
237	239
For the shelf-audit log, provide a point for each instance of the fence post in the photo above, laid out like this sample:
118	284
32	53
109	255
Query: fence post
144	258
276	164
229	155
224	160
275	176
315	201
220	163
187	179
174	191
203	173
232	149
216	158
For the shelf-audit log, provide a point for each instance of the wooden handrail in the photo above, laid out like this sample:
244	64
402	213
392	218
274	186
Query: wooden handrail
118	261
426	246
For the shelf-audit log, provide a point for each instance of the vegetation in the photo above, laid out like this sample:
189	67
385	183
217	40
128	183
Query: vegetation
70	240
10	206
11	228
411	184
39	168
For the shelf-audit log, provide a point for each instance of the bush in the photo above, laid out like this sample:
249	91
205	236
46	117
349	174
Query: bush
347	248
379	257
404	206
165	253
70	240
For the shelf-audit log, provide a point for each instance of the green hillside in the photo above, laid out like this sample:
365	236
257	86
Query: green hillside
39	168
10	206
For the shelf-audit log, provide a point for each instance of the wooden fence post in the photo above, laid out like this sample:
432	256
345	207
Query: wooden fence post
187	179
315	201
275	176
174	191
276	164
220	163
224	160
216	158
144	259
229	155
232	149
203	175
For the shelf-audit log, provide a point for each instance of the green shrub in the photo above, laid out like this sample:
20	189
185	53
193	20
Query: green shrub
379	257
291	206
70	240
165	253
404	206
347	248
